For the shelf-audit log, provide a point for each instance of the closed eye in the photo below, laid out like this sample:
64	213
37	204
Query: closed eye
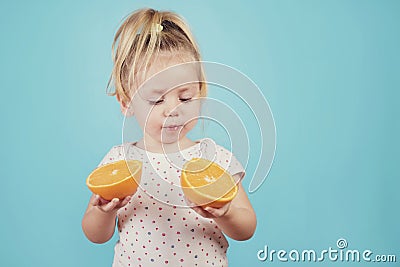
185	99
160	101
156	102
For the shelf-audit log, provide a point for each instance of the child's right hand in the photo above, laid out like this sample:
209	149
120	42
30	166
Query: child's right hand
107	205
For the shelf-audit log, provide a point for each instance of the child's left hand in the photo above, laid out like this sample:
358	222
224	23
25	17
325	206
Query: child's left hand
209	212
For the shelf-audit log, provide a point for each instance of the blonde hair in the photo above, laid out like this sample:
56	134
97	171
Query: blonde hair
143	35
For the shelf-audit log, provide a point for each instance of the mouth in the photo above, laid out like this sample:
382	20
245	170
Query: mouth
172	128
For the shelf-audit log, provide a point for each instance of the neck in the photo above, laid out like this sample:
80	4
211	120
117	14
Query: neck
157	147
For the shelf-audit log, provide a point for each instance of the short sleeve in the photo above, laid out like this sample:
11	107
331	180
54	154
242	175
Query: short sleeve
236	167
230	163
115	154
222	156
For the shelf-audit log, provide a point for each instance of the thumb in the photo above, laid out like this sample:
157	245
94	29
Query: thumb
94	200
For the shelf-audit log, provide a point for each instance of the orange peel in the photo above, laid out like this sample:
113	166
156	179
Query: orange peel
115	180
205	183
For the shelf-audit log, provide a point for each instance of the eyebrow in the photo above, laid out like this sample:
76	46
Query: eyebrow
163	91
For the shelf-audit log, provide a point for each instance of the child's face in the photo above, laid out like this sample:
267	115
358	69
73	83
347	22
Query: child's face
167	105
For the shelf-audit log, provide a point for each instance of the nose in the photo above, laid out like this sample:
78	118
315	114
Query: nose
171	108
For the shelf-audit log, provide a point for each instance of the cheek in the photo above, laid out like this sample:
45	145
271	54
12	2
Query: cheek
143	115
151	119
192	109
190	124
192	113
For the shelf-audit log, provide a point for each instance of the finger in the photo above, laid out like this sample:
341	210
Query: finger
201	211
103	201
214	212
218	212
125	201
110	205
94	200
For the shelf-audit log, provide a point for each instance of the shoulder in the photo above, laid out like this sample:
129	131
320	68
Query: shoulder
212	148
222	156
117	152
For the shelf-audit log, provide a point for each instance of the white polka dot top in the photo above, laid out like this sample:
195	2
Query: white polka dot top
157	228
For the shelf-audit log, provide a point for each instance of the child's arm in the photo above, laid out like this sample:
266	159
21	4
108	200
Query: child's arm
98	222
236	219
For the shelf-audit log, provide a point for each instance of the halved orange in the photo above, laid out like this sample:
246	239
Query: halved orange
115	180
205	183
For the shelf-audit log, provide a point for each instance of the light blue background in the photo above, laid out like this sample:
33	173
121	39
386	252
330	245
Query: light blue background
329	69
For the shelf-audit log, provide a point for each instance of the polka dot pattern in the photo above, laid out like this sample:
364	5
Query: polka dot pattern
156	228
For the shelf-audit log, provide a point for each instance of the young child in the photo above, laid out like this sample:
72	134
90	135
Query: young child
158	79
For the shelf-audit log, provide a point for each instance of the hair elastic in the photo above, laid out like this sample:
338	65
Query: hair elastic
158	27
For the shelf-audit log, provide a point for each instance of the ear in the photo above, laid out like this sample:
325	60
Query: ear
127	110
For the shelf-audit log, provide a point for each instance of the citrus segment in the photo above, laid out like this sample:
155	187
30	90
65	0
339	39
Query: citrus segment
115	180
207	184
